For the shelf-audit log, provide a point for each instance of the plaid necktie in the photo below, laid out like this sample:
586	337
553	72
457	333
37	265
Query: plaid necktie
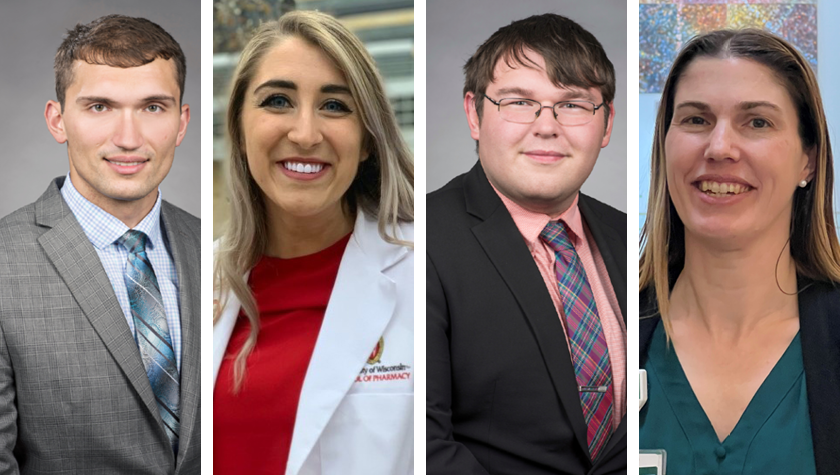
589	346
152	332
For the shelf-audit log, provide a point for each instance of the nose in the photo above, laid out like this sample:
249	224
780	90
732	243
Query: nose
546	124
723	143
128	135
305	131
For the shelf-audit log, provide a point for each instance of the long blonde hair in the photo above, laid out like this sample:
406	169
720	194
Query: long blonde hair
384	184
813	237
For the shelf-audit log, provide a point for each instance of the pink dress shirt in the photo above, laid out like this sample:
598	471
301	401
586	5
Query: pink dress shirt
530	225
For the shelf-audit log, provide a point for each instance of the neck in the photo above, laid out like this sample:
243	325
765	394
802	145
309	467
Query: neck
551	208
733	290
294	236
130	212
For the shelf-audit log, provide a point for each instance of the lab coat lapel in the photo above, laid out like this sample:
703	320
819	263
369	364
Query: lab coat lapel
361	306
223	329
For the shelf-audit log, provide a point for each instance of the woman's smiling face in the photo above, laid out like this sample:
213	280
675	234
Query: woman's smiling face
733	152
302	133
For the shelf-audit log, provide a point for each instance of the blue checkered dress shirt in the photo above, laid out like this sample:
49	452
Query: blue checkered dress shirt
103	230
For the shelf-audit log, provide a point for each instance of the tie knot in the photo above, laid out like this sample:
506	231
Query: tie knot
554	233
134	241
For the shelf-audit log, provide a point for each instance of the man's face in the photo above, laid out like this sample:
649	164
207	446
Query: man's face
121	126
540	166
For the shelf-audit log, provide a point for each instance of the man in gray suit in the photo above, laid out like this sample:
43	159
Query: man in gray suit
99	278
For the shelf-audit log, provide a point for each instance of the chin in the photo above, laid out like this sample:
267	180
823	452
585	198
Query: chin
303	208
130	193
716	230
547	196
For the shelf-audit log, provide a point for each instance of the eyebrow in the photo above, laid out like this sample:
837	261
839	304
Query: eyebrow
284	84
573	94
516	91
746	105
568	95
697	105
335	89
754	104
276	84
111	102
103	100
159	98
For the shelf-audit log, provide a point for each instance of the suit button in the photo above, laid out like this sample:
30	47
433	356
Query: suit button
720	452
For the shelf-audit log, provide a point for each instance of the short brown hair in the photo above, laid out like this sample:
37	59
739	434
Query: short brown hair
573	57
117	41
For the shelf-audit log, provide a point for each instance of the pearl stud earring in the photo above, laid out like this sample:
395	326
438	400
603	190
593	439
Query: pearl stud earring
803	184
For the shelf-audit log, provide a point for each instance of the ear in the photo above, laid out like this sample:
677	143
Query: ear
810	167
367	147
55	121
608	130
185	120
472	114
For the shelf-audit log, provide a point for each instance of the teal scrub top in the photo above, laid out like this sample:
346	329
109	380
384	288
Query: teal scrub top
772	436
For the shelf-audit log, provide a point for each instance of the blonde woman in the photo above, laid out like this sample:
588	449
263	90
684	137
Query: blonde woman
313	328
740	333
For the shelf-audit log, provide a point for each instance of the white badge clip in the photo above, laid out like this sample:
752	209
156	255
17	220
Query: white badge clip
651	462
643	388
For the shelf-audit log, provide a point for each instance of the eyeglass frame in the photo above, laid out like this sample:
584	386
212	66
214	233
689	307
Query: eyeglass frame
537	114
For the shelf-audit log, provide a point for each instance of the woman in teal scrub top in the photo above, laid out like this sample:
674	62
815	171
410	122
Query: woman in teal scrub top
739	301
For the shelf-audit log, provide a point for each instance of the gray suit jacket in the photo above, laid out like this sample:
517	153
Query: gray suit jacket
74	396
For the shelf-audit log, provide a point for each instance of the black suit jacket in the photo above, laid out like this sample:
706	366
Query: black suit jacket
819	327
501	395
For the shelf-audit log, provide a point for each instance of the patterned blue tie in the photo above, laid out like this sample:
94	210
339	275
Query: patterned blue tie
152	332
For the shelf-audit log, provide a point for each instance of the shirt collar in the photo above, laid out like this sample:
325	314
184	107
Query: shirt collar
101	227
531	224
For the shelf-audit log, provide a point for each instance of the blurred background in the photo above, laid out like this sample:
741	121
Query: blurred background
665	25
385	26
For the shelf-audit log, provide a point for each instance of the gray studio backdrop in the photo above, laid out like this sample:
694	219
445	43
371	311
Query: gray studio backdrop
456	28
30	33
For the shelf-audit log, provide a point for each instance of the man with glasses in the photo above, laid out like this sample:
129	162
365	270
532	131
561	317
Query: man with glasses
526	276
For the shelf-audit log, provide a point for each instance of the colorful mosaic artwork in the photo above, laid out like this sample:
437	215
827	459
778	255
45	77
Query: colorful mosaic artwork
707	2
665	25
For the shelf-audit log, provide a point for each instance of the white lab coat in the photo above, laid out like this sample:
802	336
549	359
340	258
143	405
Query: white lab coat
355	414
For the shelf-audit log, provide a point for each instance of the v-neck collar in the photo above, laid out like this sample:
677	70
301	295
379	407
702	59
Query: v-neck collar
690	414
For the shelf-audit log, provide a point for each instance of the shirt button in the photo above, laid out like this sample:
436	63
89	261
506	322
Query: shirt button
720	452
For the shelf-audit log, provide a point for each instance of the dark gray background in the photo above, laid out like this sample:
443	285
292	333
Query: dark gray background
456	28
30	33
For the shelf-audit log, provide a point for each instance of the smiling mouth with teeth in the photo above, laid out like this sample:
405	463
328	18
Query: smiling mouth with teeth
303	167
713	188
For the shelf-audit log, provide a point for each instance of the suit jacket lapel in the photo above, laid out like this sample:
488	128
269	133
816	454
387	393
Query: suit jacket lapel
504	245
78	264
818	305
187	257
361	306
612	247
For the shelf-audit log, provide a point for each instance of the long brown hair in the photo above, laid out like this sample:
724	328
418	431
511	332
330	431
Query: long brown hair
813	238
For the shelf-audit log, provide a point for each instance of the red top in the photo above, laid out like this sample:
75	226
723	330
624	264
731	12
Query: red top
252	430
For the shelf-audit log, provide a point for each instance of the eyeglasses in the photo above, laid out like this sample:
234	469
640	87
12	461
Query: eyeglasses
526	111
